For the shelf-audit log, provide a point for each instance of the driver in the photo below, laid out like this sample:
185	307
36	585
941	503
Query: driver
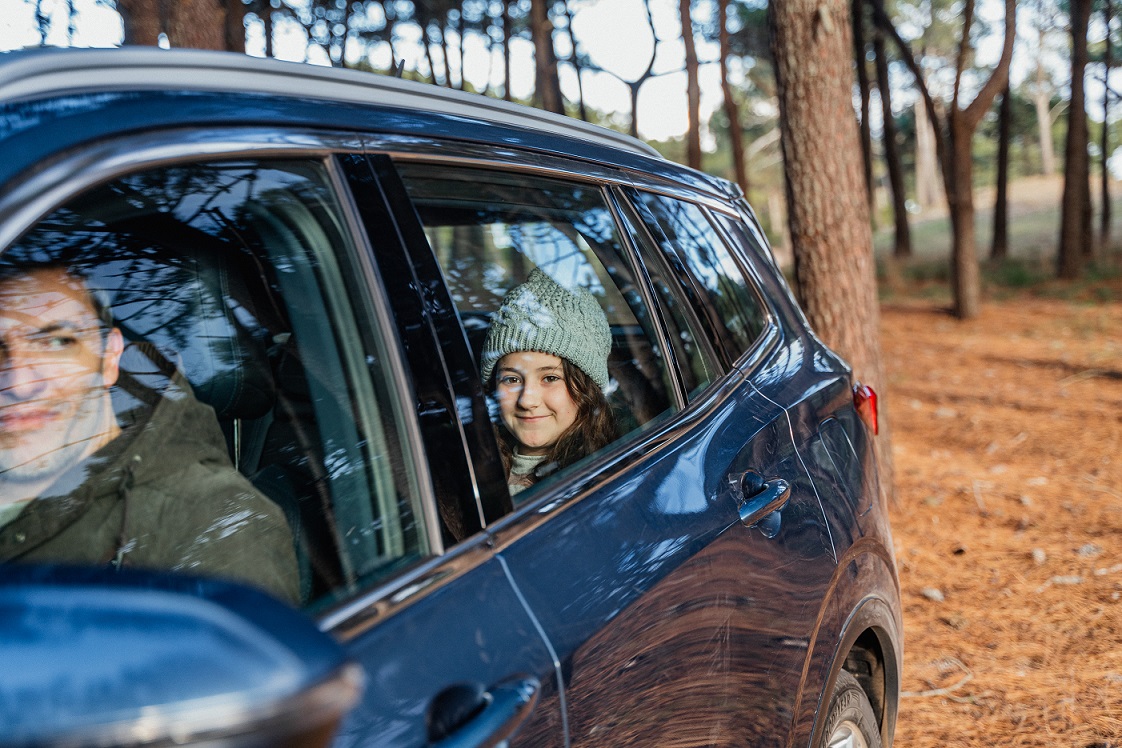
78	487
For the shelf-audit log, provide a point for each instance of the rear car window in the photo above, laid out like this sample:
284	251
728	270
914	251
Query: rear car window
490	232
683	229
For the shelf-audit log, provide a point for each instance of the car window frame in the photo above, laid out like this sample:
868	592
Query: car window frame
77	170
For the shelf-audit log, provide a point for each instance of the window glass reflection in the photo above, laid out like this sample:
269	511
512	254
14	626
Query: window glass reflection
180	387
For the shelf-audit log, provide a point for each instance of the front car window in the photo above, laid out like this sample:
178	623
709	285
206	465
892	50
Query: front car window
186	385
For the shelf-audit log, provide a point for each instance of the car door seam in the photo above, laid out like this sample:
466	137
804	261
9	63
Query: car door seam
548	645
791	430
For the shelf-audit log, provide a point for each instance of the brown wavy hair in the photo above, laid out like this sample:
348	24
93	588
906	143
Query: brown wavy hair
595	426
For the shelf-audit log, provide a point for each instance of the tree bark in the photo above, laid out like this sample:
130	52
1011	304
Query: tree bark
1000	247
693	88
508	34
732	111
547	86
966	281
197	24
235	26
863	89
142	21
903	246
1104	144
828	213
1075	209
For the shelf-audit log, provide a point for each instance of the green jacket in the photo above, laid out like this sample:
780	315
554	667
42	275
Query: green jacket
162	495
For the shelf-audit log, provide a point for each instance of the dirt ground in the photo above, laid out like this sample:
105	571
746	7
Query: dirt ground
1008	524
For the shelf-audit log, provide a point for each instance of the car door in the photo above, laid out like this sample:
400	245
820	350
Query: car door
674	621
451	651
694	587
247	288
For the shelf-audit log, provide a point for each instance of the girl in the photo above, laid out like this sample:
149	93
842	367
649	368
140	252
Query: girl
546	361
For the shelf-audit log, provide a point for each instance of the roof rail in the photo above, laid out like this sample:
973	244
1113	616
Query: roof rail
49	72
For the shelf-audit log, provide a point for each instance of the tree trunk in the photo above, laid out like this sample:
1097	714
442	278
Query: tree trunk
966	283
1000	247
633	99
1043	103
267	23
442	25
460	34
732	111
197	24
547	86
423	22
693	88
858	17
1074	207
142	21
508	34
828	211
42	22
1104	145
927	172
953	141
903	247
235	26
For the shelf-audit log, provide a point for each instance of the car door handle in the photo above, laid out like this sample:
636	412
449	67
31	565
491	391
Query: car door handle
497	715
760	498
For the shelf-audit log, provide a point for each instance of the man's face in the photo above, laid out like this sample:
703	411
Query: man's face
56	366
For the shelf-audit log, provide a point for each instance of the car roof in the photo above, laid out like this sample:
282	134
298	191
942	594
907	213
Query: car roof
42	73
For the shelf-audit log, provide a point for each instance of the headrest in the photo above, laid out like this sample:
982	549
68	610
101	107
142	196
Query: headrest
199	314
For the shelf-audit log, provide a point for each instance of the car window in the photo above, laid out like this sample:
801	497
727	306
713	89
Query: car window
496	234
698	365
187	385
683	229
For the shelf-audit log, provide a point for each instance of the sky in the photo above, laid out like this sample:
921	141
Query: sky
662	100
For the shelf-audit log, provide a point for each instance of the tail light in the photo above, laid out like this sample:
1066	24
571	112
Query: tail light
865	401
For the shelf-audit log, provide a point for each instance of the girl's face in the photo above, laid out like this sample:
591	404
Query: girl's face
534	399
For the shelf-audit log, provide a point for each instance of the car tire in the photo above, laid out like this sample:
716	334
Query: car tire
850	722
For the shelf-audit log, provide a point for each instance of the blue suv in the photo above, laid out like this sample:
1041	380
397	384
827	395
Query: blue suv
259	451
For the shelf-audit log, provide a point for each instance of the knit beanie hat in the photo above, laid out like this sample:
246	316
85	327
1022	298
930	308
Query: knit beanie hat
541	316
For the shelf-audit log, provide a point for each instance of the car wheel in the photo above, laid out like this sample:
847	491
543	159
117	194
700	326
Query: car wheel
850	722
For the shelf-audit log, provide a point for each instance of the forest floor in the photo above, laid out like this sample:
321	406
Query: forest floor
1007	437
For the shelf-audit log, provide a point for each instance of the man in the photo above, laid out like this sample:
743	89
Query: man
76	487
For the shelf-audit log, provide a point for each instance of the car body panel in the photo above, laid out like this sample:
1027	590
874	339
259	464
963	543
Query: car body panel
674	619
477	634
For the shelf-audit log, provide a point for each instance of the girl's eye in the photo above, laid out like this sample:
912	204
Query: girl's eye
509	380
551	378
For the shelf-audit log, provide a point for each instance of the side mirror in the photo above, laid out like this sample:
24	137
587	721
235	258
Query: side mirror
93	657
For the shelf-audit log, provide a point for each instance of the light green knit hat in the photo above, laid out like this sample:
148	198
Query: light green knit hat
541	316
